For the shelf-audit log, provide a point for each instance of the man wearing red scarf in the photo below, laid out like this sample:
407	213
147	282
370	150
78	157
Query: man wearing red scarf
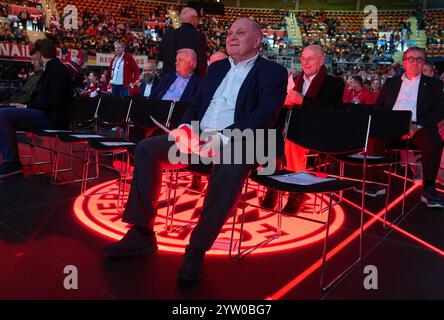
313	88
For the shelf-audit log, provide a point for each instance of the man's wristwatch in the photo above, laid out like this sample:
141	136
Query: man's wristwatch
419	126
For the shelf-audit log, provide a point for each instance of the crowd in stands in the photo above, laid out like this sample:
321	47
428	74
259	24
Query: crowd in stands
142	28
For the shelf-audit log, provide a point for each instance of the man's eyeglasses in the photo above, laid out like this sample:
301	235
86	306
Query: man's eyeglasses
412	60
309	59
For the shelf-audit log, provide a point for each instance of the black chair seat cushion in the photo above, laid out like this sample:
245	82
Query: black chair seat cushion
70	138
370	161
51	132
402	145
117	145
335	185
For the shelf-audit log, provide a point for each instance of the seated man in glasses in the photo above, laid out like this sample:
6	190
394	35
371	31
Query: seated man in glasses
423	96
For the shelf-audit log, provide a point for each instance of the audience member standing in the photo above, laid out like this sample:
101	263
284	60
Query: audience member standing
184	37
123	71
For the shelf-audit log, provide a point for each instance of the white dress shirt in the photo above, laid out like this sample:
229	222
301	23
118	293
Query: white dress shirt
117	71
147	91
408	95
307	83
220	112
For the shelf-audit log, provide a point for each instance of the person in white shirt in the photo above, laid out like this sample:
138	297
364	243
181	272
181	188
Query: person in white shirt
424	97
242	92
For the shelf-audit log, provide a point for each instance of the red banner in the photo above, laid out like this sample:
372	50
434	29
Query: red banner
20	52
16	9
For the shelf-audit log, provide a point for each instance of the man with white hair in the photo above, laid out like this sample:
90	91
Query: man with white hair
186	36
313	88
181	85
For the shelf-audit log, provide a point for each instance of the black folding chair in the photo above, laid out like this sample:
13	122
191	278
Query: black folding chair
388	125
112	115
84	120
325	132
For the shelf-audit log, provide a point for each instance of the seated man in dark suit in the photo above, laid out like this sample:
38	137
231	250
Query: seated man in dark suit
242	92
50	107
423	96
148	79
313	88
182	85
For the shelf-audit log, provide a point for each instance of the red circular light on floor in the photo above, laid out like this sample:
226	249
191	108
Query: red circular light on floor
98	211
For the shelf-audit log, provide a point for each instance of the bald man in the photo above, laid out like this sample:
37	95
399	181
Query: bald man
242	92
313	88
186	36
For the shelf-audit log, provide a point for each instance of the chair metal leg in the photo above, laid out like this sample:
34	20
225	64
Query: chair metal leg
350	268
387	197
405	187
85	172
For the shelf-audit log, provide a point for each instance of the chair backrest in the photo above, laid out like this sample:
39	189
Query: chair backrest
113	111
389	124
177	113
357	107
84	111
142	108
329	131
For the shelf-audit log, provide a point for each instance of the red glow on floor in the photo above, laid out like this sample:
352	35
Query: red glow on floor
99	213
310	270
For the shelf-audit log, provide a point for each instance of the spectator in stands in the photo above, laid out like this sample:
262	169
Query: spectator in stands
148	80
375	88
23	95
183	85
429	69
227	91
424	97
49	107
123	71
75	70
314	88
184	37
357	93
92	89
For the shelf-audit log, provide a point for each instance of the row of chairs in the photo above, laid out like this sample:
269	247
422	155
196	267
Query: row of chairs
103	125
341	135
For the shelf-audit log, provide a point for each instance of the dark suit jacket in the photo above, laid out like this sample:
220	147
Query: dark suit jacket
329	95
143	86
54	94
430	101
186	36
193	86
259	101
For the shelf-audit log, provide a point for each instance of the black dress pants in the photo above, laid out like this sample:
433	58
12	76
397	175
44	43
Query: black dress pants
223	192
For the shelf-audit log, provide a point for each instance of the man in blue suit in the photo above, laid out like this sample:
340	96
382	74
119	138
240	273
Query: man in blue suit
242	92
181	85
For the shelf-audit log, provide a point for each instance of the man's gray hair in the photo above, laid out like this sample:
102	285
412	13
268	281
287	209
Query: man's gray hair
190	53
187	13
254	25
417	49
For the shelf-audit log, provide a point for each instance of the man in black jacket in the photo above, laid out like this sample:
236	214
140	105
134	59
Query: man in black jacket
313	88
184	37
49	107
424	97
